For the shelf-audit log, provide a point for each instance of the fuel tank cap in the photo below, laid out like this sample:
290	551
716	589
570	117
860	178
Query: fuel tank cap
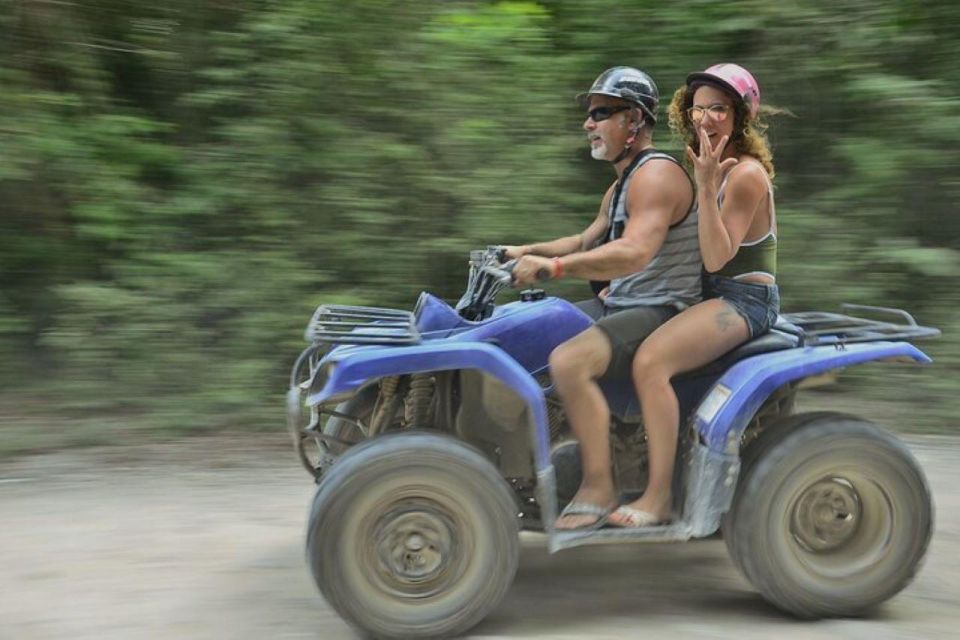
532	295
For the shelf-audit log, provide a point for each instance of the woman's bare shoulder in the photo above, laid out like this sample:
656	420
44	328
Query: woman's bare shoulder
749	169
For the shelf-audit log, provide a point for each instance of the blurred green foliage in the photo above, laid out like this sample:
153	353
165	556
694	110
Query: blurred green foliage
181	183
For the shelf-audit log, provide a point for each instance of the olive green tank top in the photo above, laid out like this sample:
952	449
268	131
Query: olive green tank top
758	257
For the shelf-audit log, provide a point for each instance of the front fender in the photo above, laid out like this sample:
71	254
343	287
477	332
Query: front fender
732	402
357	368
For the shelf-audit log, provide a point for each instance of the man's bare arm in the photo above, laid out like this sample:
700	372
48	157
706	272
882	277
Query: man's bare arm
569	244
657	193
554	248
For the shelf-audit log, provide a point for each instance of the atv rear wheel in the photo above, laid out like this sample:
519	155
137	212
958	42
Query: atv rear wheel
757	449
832	518
413	535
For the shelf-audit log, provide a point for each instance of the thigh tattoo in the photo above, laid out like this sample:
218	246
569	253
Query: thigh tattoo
726	318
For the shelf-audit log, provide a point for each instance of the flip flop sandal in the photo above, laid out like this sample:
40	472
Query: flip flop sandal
629	518
585	509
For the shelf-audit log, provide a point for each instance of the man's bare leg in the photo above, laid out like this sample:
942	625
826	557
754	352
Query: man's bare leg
574	367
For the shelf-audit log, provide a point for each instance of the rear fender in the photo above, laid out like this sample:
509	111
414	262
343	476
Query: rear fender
728	408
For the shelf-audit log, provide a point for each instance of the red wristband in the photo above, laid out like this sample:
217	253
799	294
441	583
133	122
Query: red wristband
557	268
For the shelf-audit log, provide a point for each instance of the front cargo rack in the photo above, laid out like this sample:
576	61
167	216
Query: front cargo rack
823	327
343	324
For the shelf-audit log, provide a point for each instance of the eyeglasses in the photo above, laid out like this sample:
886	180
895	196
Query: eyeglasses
718	112
599	114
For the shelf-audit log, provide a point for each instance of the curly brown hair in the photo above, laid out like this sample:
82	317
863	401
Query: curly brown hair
749	133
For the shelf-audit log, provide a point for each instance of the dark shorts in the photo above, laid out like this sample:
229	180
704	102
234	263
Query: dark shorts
625	329
757	304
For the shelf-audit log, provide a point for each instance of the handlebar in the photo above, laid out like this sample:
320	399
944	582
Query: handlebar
503	275
489	272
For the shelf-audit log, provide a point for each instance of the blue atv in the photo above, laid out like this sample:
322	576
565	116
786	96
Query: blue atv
435	437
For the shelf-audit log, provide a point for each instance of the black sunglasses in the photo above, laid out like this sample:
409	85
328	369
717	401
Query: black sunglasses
599	114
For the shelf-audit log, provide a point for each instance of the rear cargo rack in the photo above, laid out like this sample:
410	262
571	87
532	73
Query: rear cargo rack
824	327
343	324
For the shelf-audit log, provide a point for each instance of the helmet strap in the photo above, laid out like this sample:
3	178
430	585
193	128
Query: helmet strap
621	155
630	141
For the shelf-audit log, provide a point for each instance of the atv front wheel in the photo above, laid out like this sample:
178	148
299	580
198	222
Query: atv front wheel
833	518
413	535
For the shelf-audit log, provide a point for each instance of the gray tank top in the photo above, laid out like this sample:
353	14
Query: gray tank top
672	277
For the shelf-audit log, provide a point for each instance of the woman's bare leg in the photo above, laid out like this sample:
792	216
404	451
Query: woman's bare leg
695	337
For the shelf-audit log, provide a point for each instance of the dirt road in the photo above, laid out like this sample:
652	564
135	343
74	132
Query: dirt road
197	540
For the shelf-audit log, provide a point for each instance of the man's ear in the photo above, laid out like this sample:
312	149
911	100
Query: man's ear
637	120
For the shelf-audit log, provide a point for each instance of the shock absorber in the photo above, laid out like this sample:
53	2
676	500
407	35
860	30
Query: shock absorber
557	421
386	406
417	407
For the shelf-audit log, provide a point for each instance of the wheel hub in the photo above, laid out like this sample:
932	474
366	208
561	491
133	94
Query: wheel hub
827	515
415	549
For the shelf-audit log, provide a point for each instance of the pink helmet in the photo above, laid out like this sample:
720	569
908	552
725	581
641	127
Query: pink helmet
734	78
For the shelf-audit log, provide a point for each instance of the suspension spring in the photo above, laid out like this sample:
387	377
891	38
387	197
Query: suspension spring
386	406
557	421
419	398
388	386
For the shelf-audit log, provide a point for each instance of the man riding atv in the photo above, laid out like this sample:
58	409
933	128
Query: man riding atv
641	254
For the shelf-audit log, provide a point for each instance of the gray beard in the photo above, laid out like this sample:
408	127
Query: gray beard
599	152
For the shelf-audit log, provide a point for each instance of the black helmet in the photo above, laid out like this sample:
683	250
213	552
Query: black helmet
628	84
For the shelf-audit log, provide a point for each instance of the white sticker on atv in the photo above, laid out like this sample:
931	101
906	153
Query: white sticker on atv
712	404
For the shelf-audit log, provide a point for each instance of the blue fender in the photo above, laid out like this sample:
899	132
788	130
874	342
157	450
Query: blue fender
346	374
734	399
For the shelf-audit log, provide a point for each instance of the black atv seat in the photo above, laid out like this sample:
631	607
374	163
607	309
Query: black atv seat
783	335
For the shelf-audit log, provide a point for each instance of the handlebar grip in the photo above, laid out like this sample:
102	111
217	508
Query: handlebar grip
500	252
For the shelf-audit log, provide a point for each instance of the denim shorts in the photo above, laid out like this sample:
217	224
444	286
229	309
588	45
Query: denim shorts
757	304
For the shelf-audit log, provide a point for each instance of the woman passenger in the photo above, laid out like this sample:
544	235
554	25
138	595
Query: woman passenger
716	114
